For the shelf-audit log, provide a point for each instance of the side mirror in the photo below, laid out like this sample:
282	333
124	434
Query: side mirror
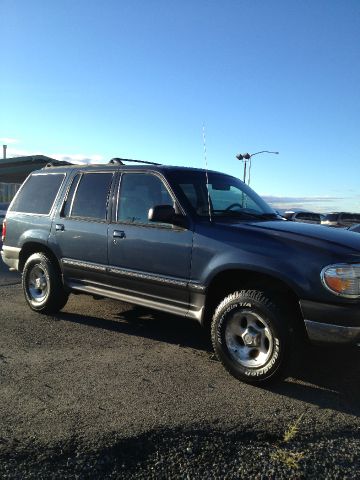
162	213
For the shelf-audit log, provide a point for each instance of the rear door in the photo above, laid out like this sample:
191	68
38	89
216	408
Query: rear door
79	230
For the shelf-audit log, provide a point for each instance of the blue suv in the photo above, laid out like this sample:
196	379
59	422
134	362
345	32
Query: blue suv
190	242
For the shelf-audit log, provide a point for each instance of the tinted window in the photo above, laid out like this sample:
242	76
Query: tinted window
308	217
138	193
38	194
69	197
331	217
92	196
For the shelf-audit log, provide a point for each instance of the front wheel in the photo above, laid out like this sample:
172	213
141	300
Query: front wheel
42	285
251	336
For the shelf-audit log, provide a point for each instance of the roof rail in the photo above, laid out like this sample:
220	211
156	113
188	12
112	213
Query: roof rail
120	161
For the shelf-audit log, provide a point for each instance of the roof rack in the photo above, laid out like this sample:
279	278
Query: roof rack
120	161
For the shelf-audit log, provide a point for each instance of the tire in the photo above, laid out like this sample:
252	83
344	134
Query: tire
251	336
42	285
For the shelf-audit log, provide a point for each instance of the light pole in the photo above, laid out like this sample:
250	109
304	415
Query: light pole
248	156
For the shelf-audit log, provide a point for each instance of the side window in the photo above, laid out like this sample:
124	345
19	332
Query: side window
92	196
38	194
138	193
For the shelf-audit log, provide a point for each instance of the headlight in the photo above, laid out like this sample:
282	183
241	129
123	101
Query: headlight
342	279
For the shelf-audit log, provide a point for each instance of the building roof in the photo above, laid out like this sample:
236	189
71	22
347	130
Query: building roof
16	169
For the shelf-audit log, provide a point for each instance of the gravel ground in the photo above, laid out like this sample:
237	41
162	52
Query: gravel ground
189	455
105	390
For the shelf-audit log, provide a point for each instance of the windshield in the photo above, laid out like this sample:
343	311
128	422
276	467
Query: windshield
228	196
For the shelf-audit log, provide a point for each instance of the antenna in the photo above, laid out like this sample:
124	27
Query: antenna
206	172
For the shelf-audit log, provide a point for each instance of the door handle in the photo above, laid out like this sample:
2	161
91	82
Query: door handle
119	234
59	227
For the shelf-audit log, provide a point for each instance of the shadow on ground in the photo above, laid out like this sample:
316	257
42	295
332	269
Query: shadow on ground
328	377
142	322
179	453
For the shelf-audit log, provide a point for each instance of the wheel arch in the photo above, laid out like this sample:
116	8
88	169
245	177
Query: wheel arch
35	247
229	281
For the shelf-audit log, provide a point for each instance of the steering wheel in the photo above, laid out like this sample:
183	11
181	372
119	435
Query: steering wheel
233	205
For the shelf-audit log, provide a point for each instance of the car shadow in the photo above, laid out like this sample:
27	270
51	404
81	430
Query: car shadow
328	377
146	323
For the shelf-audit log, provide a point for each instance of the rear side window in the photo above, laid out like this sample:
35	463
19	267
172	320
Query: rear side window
38	194
92	195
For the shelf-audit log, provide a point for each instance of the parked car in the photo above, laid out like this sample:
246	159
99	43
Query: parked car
340	219
190	242
303	216
3	210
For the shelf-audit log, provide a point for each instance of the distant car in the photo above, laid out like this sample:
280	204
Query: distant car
3	210
355	228
304	217
341	219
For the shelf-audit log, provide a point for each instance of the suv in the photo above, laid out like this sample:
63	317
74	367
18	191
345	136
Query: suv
189	242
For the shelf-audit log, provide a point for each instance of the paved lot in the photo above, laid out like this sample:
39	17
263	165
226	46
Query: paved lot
107	390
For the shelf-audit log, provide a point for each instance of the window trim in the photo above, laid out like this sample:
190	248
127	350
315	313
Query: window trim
51	210
72	179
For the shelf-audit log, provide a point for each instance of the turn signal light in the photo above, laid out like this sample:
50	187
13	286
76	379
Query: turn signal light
342	279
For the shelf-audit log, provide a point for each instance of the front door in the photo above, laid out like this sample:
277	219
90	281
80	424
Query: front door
146	259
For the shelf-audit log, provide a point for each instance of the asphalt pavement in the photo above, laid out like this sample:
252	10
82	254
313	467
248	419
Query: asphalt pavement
108	390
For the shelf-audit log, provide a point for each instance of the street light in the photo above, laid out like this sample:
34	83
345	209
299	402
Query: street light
247	156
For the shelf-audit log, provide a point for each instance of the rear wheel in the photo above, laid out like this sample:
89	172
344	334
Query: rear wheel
251	336
42	285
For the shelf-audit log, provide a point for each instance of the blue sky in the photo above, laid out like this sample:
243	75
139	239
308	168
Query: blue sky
93	80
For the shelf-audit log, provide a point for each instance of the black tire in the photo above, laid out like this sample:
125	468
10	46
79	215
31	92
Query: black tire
42	285
251	336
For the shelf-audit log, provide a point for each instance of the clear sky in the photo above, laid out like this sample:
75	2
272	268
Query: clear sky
88	79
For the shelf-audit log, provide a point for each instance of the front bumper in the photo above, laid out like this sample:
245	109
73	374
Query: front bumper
328	323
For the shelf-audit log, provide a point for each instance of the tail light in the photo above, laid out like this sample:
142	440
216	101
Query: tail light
3	235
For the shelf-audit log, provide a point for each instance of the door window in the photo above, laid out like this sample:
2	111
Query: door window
138	193
92	196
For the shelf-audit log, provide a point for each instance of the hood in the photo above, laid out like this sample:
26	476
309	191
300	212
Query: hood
306	233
